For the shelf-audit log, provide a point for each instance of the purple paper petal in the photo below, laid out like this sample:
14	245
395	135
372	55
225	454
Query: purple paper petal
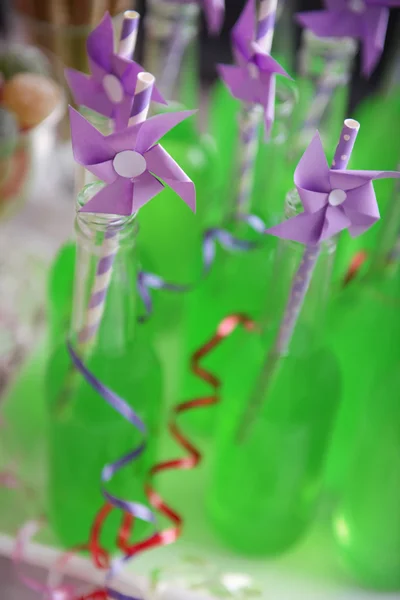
362	209
375	27
104	171
113	199
243	31
312	201
324	23
266	63
89	146
100	43
348	180
163	166
312	172
239	82
389	3
304	228
335	222
156	127
87	92
214	10
145	188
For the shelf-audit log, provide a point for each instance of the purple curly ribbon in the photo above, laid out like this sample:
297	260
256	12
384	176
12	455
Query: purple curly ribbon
150	281
136	509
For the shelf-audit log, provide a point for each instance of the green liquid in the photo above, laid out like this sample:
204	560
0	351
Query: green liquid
238	283
85	434
364	329
367	520
265	485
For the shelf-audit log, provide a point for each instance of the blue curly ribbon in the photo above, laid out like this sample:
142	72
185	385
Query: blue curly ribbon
136	509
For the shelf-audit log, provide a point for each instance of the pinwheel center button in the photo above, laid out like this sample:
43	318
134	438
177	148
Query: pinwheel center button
337	197
113	88
357	6
129	164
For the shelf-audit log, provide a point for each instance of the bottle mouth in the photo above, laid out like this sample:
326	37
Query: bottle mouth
98	221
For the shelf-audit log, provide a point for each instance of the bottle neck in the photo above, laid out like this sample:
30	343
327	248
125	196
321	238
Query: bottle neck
171	29
325	68
309	329
104	314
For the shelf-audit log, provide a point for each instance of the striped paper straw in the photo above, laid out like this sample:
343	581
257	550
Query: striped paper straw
251	115
129	32
298	291
305	271
266	24
109	247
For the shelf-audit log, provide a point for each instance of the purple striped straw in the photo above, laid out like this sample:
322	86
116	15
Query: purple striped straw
305	271
300	285
251	115
110	245
129	32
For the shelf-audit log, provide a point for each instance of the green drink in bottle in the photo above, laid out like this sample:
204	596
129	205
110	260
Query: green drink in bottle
84	432
272	430
363	468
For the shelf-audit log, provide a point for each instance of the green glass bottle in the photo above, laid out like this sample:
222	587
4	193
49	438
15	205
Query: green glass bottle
275	419
363	317
366	520
238	280
84	432
363	471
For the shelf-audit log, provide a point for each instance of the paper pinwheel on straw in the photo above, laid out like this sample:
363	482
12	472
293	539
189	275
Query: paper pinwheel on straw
364	20
110	87
130	162
252	80
334	199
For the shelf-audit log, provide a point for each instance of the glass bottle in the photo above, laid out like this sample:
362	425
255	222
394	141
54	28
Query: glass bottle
366	520
363	316
84	432
238	281
363	471
267	470
325	69
171	49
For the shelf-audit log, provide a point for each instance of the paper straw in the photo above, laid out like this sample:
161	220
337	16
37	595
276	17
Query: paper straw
266	24
251	115
129	32
298	291
109	248
305	271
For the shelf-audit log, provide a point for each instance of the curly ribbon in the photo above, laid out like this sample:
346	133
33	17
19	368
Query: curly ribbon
190	461
150	281
355	265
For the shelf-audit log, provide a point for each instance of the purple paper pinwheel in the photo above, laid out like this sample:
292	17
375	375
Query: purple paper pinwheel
130	163
110	87
333	200
365	20
252	79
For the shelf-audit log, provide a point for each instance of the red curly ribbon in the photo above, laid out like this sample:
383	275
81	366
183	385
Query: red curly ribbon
355	265
168	536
